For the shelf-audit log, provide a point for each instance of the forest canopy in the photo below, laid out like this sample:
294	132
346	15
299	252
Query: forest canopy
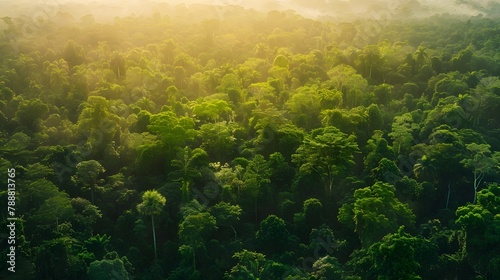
192	141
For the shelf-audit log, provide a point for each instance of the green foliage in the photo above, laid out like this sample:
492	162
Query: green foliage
97	245
256	127
193	233
394	257
187	163
403	129
273	234
107	269
171	130
31	110
378	150
281	61
313	212
376	212
327	268
87	173
54	210
225	213
218	139
304	104
481	223
53	259
481	162
195	229
212	110
386	171
327	152
152	203
250	265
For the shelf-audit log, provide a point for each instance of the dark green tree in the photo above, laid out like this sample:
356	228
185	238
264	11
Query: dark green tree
273	234
375	213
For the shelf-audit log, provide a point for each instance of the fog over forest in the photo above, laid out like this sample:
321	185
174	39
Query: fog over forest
319	9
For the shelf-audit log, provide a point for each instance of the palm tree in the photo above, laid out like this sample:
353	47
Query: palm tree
152	204
424	168
464	101
421	55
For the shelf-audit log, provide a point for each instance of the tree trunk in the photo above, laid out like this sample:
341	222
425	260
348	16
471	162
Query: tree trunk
477	181
329	187
235	236
154	235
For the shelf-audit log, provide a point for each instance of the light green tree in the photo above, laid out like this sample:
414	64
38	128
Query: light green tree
212	110
403	128
251	265
171	130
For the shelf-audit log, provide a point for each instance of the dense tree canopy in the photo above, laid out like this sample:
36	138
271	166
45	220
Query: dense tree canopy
261	145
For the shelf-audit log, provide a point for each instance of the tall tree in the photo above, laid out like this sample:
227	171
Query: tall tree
421	55
482	163
194	231
370	60
256	179
151	205
187	165
327	152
